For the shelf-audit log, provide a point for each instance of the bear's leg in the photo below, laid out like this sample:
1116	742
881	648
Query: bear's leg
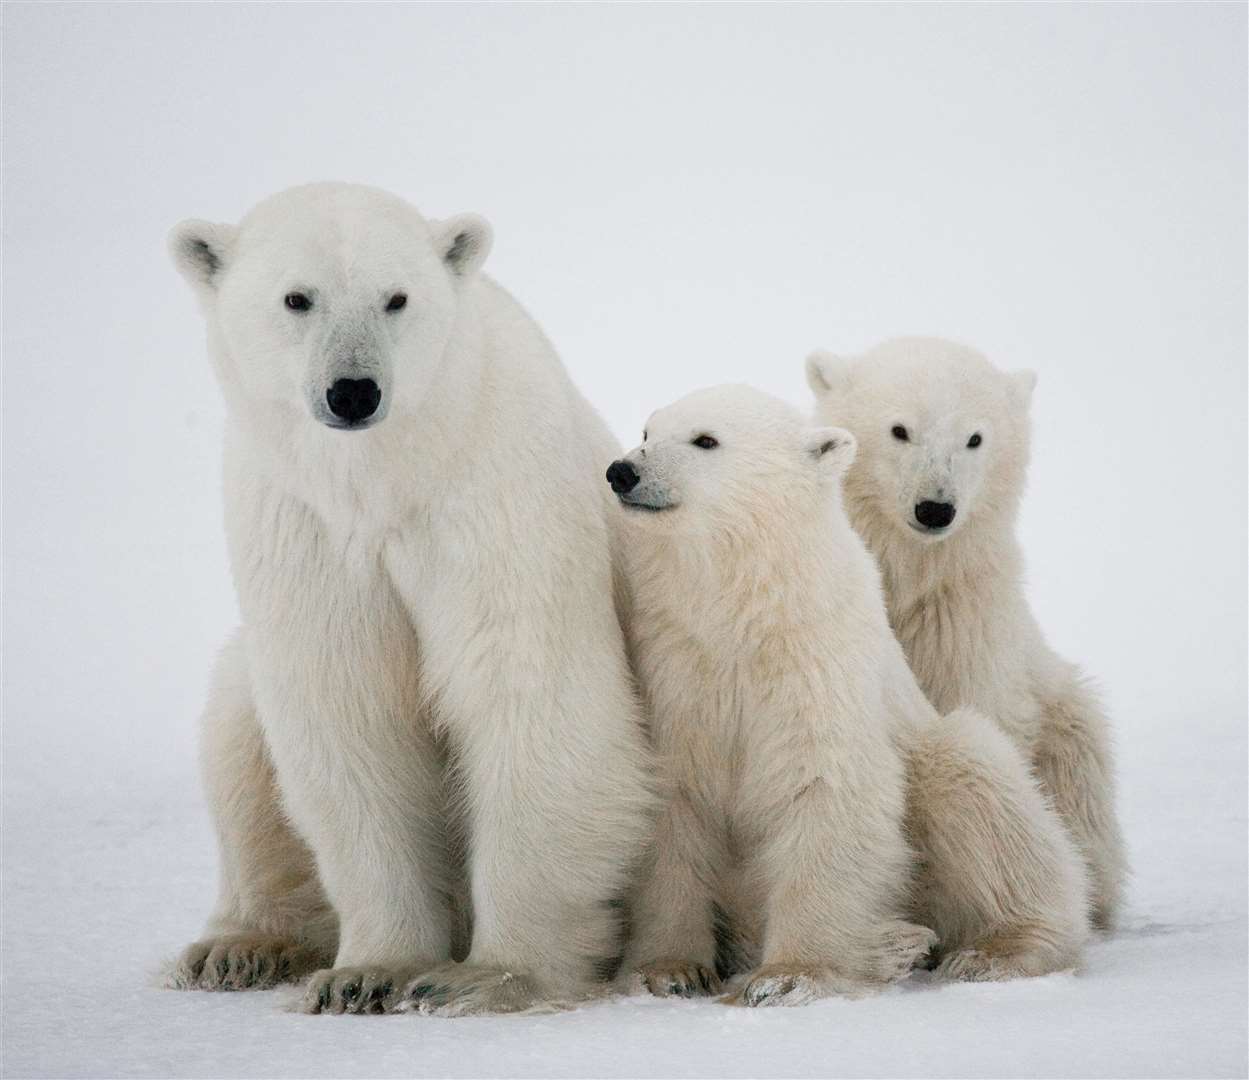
672	950
377	817
538	705
272	922
1073	761
836	869
1001	882
335	669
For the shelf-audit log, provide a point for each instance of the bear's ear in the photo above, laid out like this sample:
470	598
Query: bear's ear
832	448
827	373
463	242
1022	383
200	251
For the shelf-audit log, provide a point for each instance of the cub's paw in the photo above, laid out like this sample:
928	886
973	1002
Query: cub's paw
242	962
903	947
352	989
1019	952
988	964
466	989
675	979
782	984
973	965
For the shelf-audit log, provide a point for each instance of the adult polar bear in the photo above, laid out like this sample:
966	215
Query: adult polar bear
430	661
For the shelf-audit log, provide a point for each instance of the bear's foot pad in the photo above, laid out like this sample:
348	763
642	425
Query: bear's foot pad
786	985
357	990
676	979
466	990
242	962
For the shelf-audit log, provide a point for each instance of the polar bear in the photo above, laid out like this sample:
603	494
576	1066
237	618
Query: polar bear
944	440
427	713
799	758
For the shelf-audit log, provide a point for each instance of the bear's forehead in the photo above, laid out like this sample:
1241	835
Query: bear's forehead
929	388
728	409
334	254
342	224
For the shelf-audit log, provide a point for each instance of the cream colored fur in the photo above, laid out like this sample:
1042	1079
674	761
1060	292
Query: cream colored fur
785	791
956	599
798	753
427	713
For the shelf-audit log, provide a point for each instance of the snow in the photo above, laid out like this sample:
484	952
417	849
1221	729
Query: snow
103	881
682	195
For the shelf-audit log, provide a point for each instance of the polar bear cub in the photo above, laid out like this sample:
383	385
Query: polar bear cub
757	640
944	440
423	746
798	754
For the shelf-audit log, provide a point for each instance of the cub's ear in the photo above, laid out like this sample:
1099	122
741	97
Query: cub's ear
833	449
201	250
827	373
463	242
1022	383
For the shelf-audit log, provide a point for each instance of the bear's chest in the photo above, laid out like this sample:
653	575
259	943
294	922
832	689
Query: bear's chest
962	655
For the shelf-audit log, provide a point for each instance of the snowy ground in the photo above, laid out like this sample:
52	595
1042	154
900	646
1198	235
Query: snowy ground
98	890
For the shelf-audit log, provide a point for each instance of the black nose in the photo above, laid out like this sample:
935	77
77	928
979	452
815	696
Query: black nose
934	515
622	476
353	400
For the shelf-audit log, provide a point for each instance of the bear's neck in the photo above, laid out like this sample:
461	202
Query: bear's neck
778	572
961	578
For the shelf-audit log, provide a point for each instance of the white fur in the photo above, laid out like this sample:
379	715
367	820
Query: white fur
955	599
798	753
757	640
431	679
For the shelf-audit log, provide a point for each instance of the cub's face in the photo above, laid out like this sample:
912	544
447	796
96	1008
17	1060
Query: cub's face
723	456
942	434
330	303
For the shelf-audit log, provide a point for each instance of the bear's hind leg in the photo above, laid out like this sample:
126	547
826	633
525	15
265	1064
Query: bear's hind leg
272	923
1001	882
1074	763
836	869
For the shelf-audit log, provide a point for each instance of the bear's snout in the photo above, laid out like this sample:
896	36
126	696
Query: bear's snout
353	400
622	476
934	515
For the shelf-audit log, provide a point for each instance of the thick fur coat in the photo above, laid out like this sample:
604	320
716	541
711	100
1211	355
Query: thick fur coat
943	434
423	744
813	798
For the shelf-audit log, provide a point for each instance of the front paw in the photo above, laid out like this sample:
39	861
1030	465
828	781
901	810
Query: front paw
676	979
984	964
352	989
466	990
242	962
903	946
784	984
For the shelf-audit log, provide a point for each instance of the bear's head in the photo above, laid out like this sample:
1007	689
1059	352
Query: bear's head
943	435
726	458
330	304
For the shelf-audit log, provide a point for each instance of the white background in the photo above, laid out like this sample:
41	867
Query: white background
682	195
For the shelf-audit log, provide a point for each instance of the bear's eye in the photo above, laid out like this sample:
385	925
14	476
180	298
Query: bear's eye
705	442
297	301
397	302
899	433
644	436
974	441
